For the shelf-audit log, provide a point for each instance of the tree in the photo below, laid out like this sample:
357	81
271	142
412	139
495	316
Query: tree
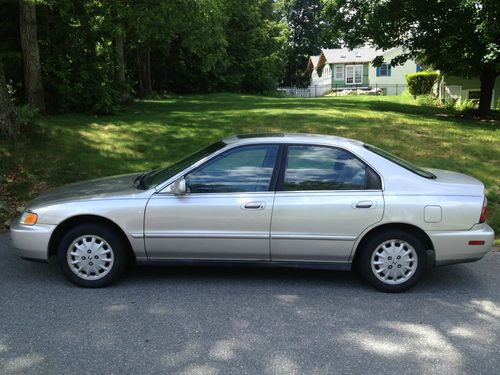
9	120
255	38
307	31
457	37
33	86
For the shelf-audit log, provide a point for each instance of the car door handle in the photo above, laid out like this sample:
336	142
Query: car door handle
364	204
253	206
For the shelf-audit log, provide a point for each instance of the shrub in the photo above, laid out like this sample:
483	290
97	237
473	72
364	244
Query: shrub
465	105
427	100
27	114
421	83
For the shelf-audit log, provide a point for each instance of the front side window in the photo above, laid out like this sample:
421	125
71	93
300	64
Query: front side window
354	74
243	169
156	177
322	168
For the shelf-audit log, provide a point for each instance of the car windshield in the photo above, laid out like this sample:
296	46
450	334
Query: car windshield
402	163
157	176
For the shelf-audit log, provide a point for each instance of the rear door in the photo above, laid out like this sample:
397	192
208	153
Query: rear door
326	197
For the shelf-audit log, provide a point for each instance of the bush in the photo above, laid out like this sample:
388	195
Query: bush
427	100
421	83
27	114
466	105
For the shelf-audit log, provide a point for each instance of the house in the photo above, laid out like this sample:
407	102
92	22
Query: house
461	89
342	68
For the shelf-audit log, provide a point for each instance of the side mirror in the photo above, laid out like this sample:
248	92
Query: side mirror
179	186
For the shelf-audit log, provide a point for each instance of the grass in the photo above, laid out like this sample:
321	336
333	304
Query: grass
66	148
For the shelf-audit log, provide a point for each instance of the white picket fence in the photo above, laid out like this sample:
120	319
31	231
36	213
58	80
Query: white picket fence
320	90
308	92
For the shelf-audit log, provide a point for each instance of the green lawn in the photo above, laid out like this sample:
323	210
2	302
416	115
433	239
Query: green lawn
148	134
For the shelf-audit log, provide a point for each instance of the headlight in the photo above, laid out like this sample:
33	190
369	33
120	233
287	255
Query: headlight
29	218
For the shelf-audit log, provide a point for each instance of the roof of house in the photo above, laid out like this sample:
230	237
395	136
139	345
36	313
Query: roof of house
345	55
312	63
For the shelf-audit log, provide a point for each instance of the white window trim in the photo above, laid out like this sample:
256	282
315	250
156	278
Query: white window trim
354	74
342	68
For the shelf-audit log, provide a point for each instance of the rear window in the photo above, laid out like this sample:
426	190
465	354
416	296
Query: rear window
402	163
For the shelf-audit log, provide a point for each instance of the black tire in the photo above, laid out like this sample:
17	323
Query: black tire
365	260
119	249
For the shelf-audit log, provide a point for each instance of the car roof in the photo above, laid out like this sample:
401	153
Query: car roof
290	138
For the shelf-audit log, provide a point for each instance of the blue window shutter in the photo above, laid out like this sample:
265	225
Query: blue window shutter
377	71
388	70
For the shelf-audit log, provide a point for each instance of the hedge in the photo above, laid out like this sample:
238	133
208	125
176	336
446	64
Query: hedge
421	83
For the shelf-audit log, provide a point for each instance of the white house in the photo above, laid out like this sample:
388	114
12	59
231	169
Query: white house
341	68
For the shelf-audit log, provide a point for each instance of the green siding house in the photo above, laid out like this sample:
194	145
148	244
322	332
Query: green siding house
342	68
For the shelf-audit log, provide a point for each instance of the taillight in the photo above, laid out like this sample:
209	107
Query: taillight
484	210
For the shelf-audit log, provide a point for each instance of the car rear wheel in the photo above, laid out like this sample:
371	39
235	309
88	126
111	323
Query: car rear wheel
393	261
92	255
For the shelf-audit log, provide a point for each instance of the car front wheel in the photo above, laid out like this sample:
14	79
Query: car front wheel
393	261
92	255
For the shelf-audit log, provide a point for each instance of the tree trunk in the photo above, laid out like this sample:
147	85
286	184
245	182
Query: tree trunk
10	124
144	69
119	68
33	86
487	77
119	59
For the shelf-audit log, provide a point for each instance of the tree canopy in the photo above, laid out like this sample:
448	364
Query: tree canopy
307	32
457	37
94	53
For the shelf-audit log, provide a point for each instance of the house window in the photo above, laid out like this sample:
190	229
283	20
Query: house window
474	94
339	73
384	70
353	74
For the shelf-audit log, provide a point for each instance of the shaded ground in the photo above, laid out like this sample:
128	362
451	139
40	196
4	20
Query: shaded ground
248	321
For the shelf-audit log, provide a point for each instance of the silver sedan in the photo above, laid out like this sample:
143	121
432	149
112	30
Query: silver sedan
273	200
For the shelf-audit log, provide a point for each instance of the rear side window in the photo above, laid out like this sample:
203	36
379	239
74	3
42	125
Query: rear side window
402	163
310	167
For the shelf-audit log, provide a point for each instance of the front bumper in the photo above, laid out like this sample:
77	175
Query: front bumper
453	246
32	241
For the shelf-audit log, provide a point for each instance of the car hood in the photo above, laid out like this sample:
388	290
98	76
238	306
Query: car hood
114	187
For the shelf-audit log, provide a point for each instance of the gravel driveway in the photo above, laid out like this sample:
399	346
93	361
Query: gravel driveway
248	321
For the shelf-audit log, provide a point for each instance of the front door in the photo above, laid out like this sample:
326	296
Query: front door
326	197
226	213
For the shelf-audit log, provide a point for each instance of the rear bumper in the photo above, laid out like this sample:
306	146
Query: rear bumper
453	246
32	241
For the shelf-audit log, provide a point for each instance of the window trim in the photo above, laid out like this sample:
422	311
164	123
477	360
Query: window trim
354	74
342	68
278	173
282	167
